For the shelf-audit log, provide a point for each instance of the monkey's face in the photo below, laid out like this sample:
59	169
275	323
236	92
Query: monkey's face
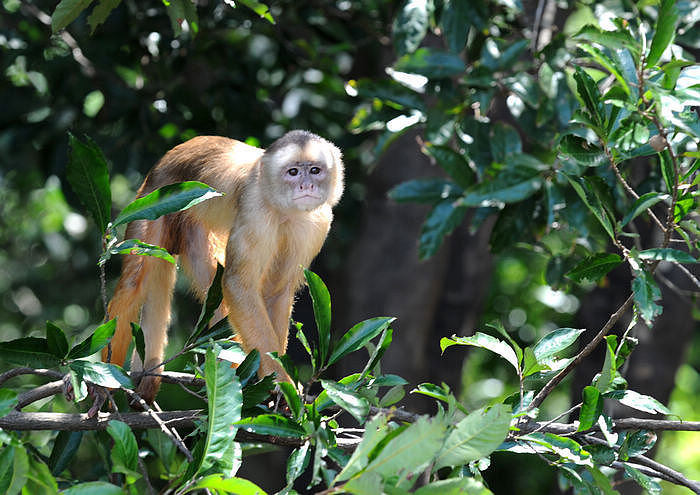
305	171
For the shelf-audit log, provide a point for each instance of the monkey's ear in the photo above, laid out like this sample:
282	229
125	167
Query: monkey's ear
339	169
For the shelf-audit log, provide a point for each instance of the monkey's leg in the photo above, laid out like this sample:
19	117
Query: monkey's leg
200	253
280	311
159	280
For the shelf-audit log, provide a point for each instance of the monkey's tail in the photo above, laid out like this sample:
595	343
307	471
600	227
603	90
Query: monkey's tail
125	305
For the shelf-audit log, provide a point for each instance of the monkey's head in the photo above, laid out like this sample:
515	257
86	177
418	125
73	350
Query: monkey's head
303	171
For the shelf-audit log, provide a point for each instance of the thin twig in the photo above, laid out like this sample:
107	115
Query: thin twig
590	347
28	371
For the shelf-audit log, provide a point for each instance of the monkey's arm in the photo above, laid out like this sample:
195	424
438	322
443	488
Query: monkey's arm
243	285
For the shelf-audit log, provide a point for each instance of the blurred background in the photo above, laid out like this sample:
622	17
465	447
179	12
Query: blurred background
141	83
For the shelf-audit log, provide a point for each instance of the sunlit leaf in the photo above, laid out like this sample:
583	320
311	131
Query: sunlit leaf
646	294
667	254
484	341
347	399
665	31
638	401
410	26
642	204
358	336
99	338
272	424
167	199
136	246
104	374
321	300
475	436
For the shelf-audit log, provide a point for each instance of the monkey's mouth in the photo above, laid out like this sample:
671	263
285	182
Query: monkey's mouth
307	198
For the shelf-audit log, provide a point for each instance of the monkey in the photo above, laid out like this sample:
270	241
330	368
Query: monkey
271	221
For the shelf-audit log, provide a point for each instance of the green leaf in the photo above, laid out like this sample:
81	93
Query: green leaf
321	300
585	188
136	246
249	367
259	8
606	62
484	341
425	191
591	409
379	350
93	488
567	448
646	293
358	336
347	399
212	302
667	170
139	341
375	431
125	451
180	11
638	401
28	351
95	342
14	468
64	449
454	486
103	374
665	31
609	39
217	483
410	26
66	12
8	401
298	461
254	393
455	164
649	484
594	267
590	95
518	180
56	340
87	170
642	204
224	402
555	342
430	63
411	451
388	91
667	254
291	396
100	13
272	424
441	221
581	151
434	391
530	365
474	437
456	19
637	443
167	199
607	374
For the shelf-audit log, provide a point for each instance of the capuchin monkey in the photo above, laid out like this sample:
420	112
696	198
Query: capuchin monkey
271	221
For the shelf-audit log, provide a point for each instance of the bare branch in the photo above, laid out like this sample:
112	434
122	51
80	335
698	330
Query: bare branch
590	347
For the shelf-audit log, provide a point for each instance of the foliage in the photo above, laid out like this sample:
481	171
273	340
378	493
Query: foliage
560	170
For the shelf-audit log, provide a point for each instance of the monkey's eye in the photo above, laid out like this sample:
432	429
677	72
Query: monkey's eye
293	171
315	170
